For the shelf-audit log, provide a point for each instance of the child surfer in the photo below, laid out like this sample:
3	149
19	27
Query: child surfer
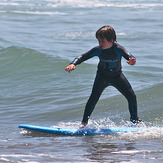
109	72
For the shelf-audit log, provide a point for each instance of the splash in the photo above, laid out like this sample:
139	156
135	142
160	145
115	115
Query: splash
153	131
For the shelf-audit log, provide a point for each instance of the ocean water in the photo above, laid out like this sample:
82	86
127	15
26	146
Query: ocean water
38	39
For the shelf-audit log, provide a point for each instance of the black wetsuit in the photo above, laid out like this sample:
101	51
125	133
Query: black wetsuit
109	73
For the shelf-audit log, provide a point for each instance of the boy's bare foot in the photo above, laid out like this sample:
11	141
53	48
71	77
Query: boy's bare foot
83	125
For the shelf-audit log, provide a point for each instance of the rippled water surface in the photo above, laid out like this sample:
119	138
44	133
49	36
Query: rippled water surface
38	40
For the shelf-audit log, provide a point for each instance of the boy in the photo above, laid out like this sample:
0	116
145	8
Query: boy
109	72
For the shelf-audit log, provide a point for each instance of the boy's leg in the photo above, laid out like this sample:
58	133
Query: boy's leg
100	84
122	84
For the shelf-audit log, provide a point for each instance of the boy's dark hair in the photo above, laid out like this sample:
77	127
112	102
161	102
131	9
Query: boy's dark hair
106	32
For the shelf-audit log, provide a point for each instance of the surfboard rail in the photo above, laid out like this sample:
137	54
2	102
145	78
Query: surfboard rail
83	131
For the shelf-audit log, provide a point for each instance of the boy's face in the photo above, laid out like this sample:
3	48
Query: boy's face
104	44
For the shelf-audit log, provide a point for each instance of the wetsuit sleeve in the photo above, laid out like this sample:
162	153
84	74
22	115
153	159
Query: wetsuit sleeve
125	53
93	52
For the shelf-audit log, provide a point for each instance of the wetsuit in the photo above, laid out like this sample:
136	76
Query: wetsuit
109	73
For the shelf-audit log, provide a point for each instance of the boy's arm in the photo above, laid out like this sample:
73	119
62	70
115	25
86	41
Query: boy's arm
93	52
131	60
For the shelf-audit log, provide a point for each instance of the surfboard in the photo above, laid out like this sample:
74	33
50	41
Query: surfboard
82	131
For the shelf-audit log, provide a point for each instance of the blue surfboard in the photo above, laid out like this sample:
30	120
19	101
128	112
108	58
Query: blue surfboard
83	131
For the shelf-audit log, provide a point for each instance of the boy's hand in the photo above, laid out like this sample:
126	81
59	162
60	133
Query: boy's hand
70	67
131	61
